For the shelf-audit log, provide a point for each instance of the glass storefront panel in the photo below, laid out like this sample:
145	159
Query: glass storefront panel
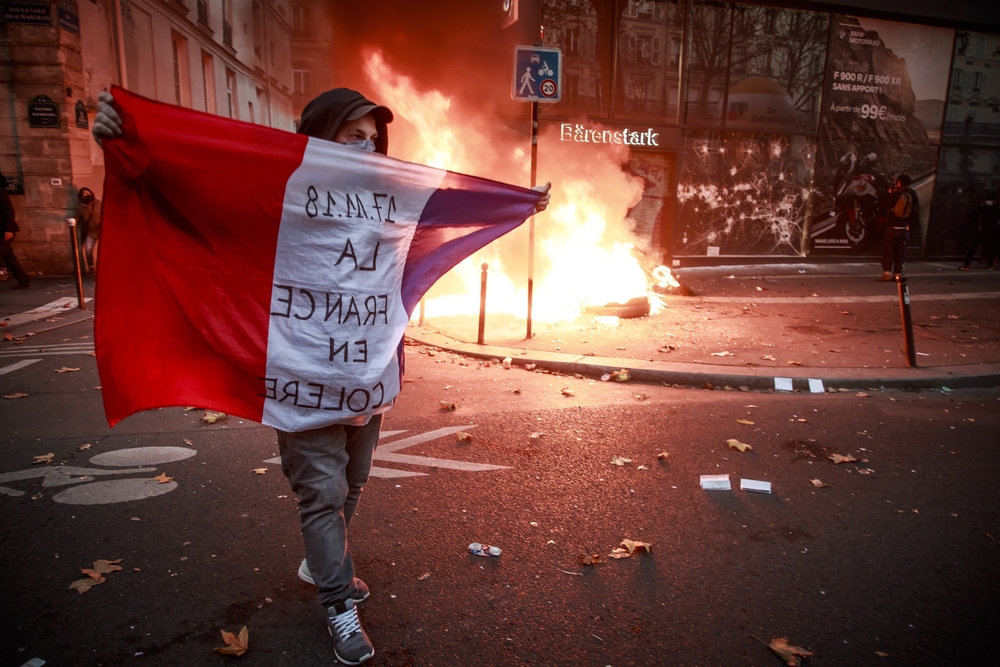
743	194
650	35
584	30
776	69
707	59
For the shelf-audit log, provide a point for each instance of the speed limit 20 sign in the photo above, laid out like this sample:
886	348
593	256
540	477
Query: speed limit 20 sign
537	74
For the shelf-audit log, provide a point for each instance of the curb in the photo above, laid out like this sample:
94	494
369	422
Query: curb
77	317
759	378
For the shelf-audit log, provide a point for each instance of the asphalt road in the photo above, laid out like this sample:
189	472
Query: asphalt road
898	553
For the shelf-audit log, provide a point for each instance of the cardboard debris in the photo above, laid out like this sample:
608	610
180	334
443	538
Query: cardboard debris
716	483
755	485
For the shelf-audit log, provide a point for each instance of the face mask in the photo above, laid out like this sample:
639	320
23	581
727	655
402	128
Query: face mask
367	145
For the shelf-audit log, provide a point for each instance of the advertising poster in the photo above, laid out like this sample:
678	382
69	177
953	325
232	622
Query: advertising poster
882	112
743	194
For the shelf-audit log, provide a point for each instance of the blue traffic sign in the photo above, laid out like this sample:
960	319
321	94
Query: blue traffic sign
537	74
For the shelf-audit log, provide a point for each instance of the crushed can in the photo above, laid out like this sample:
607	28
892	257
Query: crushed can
484	550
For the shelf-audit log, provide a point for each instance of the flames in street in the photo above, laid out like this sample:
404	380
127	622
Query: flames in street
584	253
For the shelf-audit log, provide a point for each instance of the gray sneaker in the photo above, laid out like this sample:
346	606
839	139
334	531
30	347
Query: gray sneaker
350	643
359	595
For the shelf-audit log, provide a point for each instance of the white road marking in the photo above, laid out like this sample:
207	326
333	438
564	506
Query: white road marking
417	439
47	350
143	456
384	434
437	463
18	366
882	298
57	306
59	476
392	473
113	491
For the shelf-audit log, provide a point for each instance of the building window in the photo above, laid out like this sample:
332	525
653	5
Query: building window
301	20
231	92
265	107
956	79
203	12
227	22
250	105
977	81
208	81
258	27
302	82
182	72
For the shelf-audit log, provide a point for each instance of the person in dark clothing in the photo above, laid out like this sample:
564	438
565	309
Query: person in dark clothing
88	224
8	223
903	210
328	467
984	232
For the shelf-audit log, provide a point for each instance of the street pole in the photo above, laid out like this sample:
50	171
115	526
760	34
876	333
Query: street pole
76	261
482	305
904	309
531	221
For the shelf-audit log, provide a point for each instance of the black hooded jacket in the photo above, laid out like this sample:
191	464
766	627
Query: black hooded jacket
324	115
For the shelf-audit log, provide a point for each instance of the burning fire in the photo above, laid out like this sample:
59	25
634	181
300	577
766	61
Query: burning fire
584	254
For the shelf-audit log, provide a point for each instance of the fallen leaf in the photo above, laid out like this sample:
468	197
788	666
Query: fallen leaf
794	363
736	444
724	353
44	458
535	436
188	442
84	585
837	458
566	391
530	367
620	461
882	654
162	478
190	408
662	456
464	437
445	405
745	422
66	369
817	483
642	467
790	654
7	336
632	545
235	644
768	357
844	312
83	447
861	394
619	552
213	417
423	576
590	559
516	391
743	387
102	567
259	471
640	397
17	395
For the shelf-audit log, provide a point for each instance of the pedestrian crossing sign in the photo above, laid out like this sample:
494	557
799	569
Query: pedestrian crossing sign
537	74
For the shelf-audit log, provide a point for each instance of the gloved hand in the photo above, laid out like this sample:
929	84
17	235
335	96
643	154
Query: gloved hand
107	123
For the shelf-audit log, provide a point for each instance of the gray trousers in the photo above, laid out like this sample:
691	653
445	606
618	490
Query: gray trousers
327	469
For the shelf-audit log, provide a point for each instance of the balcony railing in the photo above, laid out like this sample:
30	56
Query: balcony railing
227	33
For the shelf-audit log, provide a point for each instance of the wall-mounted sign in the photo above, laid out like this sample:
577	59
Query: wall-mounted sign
69	17
29	13
642	137
80	112
43	112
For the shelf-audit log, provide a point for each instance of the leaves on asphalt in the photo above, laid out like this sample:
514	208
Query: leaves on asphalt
861	394
790	654
590	559
464	437
259	471
632	545
213	417
85	584
95	575
566	391
16	395
423	576
736	444
535	436
445	405
837	458
882	654
663	456
235	644
724	353
619	460
768	357
162	478
44	458
66	369
188	442
745	422
83	447
643	467
794	363
818	484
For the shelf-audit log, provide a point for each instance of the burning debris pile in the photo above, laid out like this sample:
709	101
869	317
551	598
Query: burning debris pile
586	255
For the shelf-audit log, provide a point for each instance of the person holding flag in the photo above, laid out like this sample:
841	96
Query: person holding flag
253	367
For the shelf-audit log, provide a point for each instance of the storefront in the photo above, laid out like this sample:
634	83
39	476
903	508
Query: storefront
763	131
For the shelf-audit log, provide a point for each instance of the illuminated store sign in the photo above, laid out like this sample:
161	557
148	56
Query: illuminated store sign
579	134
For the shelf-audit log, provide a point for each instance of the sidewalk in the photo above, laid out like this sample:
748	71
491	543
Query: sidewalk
50	303
747	325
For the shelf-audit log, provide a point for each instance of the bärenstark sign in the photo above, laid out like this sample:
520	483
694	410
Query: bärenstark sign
577	133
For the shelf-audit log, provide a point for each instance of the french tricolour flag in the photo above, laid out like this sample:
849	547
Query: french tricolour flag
266	274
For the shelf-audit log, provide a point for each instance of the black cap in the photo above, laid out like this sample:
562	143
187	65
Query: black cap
324	115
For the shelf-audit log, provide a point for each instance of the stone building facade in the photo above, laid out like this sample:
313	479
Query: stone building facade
226	57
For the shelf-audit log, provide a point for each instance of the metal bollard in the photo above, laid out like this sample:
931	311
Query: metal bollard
423	311
482	306
76	261
904	309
